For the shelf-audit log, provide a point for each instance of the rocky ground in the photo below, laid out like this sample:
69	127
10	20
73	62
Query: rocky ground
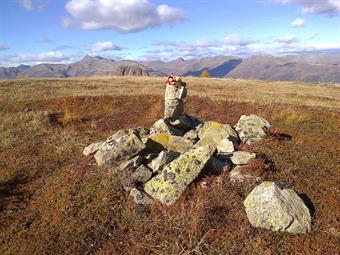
164	160
56	201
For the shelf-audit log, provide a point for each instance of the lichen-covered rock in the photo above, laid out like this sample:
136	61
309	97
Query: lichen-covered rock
92	148
225	146
185	122
267	206
142	174
140	197
134	162
213	132
115	150
139	132
164	158
242	157
161	141
175	177
251	128
162	126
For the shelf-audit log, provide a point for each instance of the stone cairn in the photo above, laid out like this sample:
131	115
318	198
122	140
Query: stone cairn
169	156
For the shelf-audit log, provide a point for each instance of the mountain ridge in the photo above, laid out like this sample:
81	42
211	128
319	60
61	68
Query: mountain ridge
307	68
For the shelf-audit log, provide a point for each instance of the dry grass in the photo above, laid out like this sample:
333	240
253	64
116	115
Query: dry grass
53	201
264	92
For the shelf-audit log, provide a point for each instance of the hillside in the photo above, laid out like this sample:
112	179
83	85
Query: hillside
55	201
88	66
309	68
286	69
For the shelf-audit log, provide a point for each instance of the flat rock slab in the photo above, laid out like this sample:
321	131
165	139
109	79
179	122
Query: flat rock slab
168	186
267	206
161	141
119	149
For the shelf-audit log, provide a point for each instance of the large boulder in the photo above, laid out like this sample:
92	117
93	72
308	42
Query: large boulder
92	148
213	132
175	177
251	128
163	158
267	206
161	141
163	126
116	150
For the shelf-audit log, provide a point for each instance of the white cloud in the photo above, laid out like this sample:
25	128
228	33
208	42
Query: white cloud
104	46
29	5
50	57
299	22
125	16
4	47
237	40
230	44
328	7
290	39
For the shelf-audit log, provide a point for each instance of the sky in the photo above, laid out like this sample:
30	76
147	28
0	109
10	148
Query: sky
64	31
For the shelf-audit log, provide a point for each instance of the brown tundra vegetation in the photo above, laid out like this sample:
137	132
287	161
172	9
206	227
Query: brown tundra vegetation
55	201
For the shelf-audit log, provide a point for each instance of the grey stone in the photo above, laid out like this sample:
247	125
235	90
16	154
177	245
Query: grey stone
139	132
173	108
162	160
140	197
161	141
116	150
267	206
168	186
142	174
213	132
225	146
163	126
92	148
242	157
134	162
251	128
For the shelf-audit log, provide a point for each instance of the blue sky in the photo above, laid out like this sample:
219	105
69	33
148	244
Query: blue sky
63	31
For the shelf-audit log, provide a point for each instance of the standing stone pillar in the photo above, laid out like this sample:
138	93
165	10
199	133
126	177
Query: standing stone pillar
175	92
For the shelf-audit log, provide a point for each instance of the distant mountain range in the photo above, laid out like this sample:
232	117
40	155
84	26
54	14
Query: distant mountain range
308	68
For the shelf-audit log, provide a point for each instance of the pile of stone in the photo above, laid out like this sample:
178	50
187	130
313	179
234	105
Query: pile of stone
166	158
